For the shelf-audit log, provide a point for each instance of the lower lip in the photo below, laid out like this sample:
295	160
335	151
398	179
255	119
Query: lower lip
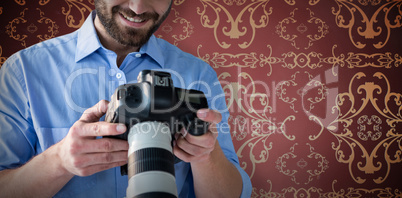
132	24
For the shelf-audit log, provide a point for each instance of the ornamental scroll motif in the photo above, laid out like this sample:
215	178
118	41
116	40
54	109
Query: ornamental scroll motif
245	60
235	28
43	2
359	60
20	2
351	147
356	20
318	192
315	60
70	12
317	166
293	2
187	28
52	28
257	124
311	60
11	28
321	91
2	59
319	32
178	2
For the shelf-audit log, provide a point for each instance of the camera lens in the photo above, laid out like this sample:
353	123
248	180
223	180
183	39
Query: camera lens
150	161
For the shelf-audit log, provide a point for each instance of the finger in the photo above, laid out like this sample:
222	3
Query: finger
209	115
94	113
189	148
205	141
90	170
104	145
97	129
85	160
181	154
187	157
106	158
213	129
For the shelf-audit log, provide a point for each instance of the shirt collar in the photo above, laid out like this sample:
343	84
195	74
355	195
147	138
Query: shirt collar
88	42
153	49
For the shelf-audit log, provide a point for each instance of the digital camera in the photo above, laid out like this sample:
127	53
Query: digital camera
153	111
154	98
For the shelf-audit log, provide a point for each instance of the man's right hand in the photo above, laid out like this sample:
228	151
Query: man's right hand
82	153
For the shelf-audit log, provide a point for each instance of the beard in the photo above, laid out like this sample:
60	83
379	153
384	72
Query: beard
125	35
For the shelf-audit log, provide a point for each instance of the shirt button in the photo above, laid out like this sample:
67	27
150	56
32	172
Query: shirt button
118	75
138	55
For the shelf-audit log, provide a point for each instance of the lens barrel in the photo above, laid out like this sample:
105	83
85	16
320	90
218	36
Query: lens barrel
150	161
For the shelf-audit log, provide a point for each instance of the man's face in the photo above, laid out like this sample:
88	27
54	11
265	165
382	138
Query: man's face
132	22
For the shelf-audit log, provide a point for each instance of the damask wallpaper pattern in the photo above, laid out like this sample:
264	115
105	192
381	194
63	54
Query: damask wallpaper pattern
313	86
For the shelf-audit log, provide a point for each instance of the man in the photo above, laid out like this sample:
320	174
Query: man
53	99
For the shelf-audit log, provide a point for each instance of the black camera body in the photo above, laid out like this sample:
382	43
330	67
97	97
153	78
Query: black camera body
154	98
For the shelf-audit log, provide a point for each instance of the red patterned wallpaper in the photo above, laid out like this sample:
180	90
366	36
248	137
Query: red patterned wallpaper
313	86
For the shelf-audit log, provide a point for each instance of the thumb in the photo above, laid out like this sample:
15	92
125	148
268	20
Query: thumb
94	113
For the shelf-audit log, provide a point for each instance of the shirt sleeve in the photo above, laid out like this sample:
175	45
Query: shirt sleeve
216	100
17	136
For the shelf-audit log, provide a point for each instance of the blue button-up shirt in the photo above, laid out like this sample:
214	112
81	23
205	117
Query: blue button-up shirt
45	88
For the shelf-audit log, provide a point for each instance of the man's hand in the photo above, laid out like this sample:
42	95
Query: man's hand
194	149
214	175
82	154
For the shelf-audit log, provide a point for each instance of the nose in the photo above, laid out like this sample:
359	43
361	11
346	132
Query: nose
139	6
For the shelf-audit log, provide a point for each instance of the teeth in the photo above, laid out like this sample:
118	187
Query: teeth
135	20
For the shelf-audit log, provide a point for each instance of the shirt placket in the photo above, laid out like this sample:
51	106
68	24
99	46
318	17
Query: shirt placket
116	76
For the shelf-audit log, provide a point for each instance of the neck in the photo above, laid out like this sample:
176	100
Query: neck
110	43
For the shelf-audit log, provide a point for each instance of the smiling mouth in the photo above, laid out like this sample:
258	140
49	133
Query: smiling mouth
133	19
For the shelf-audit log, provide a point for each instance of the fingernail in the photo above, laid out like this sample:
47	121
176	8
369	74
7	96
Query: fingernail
121	128
176	136
202	113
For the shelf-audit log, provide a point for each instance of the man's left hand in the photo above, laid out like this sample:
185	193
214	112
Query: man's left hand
194	149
